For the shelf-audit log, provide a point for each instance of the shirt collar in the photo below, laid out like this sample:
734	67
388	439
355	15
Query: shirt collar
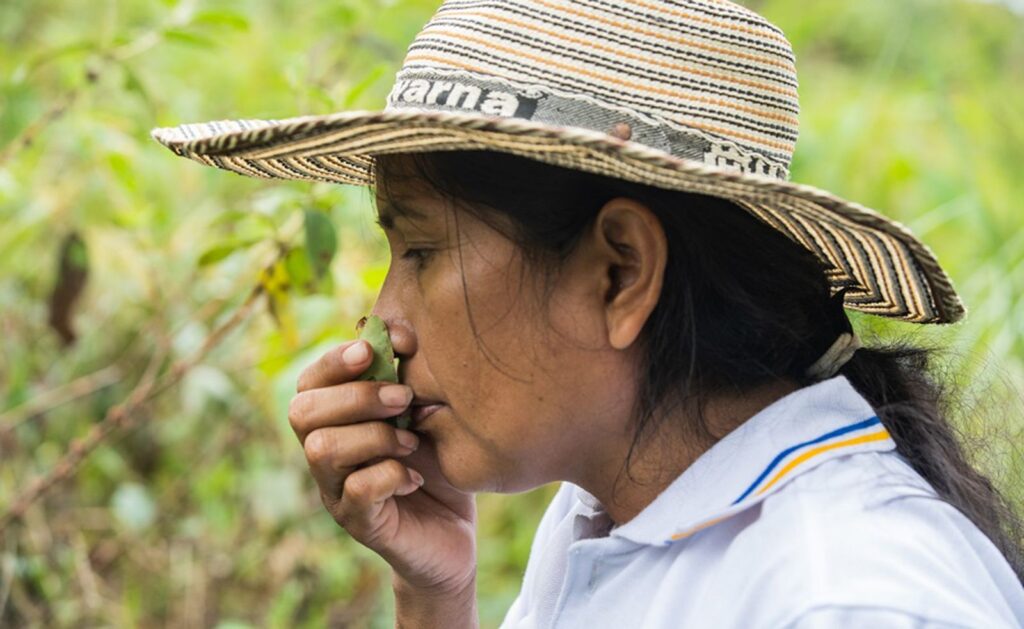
794	434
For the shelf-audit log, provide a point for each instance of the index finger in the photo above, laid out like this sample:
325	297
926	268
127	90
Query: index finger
336	366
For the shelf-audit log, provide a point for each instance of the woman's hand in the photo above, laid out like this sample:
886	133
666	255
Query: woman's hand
370	474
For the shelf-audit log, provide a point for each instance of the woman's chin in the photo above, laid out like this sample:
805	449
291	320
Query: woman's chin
470	469
464	478
469	477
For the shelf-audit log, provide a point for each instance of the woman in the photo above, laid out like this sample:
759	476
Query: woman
602	276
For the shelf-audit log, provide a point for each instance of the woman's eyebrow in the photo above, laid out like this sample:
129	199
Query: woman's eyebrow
390	210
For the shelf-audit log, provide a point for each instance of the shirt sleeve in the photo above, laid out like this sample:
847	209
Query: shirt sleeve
843	617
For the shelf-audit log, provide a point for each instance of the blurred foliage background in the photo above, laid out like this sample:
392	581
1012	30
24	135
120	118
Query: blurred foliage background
146	383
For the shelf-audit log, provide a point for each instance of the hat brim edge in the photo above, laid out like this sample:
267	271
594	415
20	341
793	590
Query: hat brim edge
221	143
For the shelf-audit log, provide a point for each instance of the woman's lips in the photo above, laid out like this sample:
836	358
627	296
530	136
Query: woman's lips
419	413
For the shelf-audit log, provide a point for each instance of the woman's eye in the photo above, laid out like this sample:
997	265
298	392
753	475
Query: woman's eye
420	256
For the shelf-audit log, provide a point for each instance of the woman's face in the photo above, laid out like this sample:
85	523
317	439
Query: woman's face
527	387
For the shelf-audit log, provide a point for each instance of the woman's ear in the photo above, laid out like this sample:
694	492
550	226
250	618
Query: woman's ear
631	253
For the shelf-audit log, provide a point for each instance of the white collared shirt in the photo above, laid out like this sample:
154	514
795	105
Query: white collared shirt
804	516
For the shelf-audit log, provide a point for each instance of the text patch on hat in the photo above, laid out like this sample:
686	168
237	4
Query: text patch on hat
448	94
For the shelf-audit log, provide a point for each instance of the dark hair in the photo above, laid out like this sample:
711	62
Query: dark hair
724	266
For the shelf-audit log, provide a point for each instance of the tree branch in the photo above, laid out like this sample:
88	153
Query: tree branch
150	386
59	396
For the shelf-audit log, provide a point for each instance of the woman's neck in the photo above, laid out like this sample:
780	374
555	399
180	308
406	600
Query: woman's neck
666	454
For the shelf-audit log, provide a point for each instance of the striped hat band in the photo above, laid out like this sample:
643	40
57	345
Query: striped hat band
693	95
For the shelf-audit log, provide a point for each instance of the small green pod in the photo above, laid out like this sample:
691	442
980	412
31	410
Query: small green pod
373	330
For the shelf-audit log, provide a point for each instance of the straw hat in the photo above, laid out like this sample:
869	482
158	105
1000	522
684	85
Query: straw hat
694	95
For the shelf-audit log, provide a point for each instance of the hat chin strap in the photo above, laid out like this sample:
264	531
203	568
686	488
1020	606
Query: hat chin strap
837	355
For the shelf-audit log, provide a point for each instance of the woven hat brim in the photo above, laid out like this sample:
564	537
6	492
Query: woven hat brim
887	271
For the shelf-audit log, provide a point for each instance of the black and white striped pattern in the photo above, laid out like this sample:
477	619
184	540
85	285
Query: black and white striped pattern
704	89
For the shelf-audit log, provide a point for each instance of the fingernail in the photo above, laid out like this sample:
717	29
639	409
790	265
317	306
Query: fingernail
416	477
355	354
409	440
395	395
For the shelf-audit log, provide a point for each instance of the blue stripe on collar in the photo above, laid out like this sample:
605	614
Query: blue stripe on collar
782	455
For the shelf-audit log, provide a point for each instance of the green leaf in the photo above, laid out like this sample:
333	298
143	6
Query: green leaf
374	331
244	222
188	38
300	270
321	241
215	254
220	251
222	17
229	216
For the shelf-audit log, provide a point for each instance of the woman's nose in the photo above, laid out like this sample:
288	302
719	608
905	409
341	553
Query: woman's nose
403	339
387	307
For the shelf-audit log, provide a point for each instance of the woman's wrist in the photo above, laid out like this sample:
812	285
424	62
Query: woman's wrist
453	607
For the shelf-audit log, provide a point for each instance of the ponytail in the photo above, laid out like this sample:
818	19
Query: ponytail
896	381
